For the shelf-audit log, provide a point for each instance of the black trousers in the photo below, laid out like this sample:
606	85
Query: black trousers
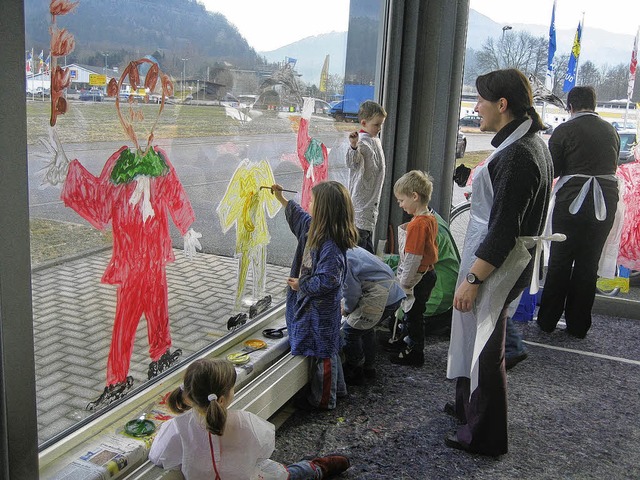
570	284
483	414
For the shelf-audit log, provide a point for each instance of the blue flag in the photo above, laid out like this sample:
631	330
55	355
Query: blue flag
572	68
552	49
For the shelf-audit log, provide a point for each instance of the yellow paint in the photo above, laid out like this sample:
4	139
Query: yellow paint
247	206
606	284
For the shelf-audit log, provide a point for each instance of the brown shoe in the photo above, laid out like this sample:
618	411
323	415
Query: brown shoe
331	464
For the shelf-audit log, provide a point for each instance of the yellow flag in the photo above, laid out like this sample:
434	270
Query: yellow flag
324	75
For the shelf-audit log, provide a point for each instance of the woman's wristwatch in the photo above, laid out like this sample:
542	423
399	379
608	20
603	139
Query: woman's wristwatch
473	279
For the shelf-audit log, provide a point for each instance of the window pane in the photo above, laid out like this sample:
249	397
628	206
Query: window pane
228	118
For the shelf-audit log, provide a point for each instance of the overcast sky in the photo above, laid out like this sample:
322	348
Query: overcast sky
268	25
620	16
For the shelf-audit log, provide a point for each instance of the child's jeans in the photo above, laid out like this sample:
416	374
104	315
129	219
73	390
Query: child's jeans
326	382
360	345
304	470
272	470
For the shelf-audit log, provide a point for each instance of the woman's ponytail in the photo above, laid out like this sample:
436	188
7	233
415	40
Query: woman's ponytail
538	124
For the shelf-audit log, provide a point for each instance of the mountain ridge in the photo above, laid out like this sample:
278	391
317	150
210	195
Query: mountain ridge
599	46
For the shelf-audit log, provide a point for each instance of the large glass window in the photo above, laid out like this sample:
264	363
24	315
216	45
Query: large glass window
174	116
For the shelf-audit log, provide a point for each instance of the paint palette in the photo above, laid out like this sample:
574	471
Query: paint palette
255	344
139	428
242	357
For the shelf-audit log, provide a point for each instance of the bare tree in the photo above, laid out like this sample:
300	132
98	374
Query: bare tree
335	85
519	50
614	84
589	74
559	72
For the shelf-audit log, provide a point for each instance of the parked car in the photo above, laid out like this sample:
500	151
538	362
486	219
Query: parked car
228	100
321	107
628	141
470	121
93	95
39	92
247	101
461	145
624	126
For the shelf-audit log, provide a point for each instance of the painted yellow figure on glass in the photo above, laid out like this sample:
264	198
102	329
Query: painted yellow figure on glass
244	204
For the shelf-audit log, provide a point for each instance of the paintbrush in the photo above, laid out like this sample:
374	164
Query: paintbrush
282	189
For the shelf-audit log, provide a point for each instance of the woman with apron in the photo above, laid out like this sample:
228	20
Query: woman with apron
511	191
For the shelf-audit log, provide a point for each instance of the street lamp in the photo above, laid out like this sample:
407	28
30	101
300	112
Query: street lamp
106	65
184	73
504	29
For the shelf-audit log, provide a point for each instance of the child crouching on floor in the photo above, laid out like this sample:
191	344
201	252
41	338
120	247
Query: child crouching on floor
369	294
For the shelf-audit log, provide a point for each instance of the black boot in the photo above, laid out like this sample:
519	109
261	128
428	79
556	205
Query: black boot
163	363
408	356
111	393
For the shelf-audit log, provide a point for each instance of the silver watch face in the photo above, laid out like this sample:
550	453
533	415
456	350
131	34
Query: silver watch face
471	278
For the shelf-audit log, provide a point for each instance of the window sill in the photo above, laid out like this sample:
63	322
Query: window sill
263	386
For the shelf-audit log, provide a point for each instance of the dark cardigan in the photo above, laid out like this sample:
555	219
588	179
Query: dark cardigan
521	177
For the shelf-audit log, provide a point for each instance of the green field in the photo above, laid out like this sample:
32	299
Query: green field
87	122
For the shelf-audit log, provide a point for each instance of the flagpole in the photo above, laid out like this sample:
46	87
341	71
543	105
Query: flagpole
33	65
578	58
632	74
550	57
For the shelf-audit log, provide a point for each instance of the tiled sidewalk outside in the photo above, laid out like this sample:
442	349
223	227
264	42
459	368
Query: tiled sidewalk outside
73	316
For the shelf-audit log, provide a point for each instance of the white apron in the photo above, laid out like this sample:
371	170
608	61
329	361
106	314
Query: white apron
409	300
470	331
609	256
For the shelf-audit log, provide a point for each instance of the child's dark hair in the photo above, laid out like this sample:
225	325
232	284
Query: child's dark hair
415	181
369	109
514	86
333	216
205	381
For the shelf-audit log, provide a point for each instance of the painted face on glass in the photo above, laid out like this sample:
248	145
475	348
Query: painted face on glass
137	117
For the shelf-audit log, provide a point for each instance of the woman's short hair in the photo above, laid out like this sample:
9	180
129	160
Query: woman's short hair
582	98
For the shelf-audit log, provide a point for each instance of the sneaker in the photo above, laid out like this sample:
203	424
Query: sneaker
393	344
331	465
369	373
408	356
111	393
512	361
300	402
353	375
450	409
